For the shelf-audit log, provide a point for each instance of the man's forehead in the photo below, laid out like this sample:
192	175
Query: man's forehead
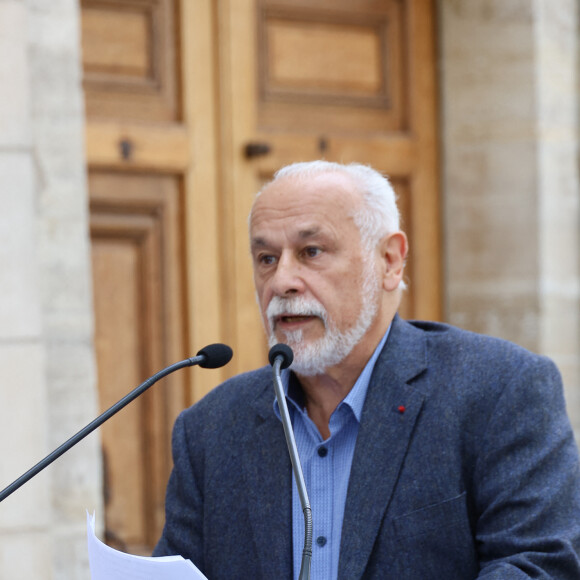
331	182
289	194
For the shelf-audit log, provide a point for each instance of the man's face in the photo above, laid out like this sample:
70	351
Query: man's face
317	290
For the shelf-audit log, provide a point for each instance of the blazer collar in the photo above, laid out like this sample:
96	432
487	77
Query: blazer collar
268	476
390	412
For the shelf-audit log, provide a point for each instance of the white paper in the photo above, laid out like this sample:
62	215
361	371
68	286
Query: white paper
106	563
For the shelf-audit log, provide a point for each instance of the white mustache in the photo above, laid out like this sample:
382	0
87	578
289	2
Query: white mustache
299	306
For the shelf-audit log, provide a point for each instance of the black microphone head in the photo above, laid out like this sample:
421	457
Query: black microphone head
284	351
216	356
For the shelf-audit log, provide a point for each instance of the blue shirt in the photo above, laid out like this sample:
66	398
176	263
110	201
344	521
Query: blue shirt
326	466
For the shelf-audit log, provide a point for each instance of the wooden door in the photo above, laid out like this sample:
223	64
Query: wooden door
342	80
178	95
155	267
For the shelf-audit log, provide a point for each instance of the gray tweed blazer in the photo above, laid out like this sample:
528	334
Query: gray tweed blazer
465	467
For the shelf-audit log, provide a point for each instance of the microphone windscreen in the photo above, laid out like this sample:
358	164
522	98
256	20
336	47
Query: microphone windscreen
284	351
216	356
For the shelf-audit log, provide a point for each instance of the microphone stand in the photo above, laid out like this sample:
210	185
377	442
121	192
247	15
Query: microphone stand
212	356
297	469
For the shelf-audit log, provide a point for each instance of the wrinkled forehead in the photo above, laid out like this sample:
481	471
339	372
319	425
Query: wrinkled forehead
331	192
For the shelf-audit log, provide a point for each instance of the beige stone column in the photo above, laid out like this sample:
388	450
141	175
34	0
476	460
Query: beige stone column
57	114
26	517
47	370
510	177
559	190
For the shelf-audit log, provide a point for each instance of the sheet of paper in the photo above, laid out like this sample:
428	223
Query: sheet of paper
106	563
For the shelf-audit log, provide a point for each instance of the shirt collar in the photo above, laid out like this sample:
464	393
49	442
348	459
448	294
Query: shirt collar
356	396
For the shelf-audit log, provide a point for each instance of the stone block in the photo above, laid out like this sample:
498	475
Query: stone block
70	553
479	171
25	554
560	328
15	130
23	417
492	11
511	316
19	298
491	241
488	71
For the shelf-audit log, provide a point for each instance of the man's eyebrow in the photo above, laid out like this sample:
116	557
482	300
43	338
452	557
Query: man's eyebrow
258	242
309	232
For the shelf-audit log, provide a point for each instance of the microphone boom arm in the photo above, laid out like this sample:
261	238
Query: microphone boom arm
213	356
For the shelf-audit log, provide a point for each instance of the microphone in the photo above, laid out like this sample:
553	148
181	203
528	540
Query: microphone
212	356
283	352
281	357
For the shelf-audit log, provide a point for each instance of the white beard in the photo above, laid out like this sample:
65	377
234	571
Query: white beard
313	358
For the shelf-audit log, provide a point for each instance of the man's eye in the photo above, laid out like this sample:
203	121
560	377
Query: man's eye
267	260
312	251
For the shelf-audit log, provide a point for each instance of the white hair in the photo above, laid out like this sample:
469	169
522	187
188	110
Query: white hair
379	214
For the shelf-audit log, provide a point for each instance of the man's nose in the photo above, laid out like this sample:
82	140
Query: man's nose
288	276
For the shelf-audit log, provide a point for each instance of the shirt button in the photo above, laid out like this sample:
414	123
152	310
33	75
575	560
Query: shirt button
321	541
322	451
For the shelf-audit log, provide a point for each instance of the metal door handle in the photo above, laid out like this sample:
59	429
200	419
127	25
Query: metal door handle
257	149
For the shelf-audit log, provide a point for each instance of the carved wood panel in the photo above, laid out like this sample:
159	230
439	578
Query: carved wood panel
139	310
332	65
130	59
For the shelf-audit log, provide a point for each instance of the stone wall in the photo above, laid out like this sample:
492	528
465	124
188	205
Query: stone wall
47	372
25	519
509	136
558	205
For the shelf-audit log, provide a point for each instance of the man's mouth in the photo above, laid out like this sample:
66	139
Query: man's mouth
296	314
293	318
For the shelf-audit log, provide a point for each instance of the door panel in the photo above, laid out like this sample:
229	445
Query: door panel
139	328
322	68
130	59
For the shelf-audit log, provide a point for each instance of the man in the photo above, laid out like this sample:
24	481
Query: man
428	452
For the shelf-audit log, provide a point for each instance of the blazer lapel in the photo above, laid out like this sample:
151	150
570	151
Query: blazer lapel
268	473
389	415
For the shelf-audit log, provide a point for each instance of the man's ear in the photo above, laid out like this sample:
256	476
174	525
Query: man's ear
393	248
